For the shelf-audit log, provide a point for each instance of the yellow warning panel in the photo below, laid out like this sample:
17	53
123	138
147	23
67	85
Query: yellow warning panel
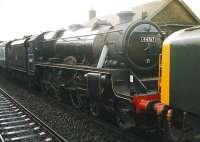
165	73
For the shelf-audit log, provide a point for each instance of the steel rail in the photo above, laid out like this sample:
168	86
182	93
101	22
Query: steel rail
44	132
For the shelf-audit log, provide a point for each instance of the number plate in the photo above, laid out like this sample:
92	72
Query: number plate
147	39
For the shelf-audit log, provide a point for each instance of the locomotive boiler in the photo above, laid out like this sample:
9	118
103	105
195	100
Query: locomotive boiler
131	45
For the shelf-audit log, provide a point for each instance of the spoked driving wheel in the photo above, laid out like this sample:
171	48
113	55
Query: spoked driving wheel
125	120
49	89
76	100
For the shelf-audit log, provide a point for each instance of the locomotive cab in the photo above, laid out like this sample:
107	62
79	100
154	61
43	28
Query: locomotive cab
45	45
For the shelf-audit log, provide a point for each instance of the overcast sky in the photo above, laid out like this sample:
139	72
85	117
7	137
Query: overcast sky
19	17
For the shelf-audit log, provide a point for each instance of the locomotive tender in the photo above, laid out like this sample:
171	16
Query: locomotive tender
103	67
2	54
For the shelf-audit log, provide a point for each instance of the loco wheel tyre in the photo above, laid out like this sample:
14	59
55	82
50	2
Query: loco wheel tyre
94	109
76	101
55	93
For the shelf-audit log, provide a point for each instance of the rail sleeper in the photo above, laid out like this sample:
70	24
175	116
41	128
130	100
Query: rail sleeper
19	124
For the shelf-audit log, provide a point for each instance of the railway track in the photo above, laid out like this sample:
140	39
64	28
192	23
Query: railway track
19	124
128	135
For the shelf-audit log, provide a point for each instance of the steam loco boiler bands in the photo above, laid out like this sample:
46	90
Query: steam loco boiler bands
116	69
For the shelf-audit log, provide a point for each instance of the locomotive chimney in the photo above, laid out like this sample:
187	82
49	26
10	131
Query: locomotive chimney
92	14
125	16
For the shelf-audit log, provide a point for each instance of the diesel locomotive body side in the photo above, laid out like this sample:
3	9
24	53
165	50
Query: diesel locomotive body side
180	85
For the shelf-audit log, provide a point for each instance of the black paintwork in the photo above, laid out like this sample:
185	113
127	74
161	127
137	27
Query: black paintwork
22	54
125	42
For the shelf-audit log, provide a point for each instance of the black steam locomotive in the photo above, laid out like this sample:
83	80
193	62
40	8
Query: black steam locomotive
102	67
